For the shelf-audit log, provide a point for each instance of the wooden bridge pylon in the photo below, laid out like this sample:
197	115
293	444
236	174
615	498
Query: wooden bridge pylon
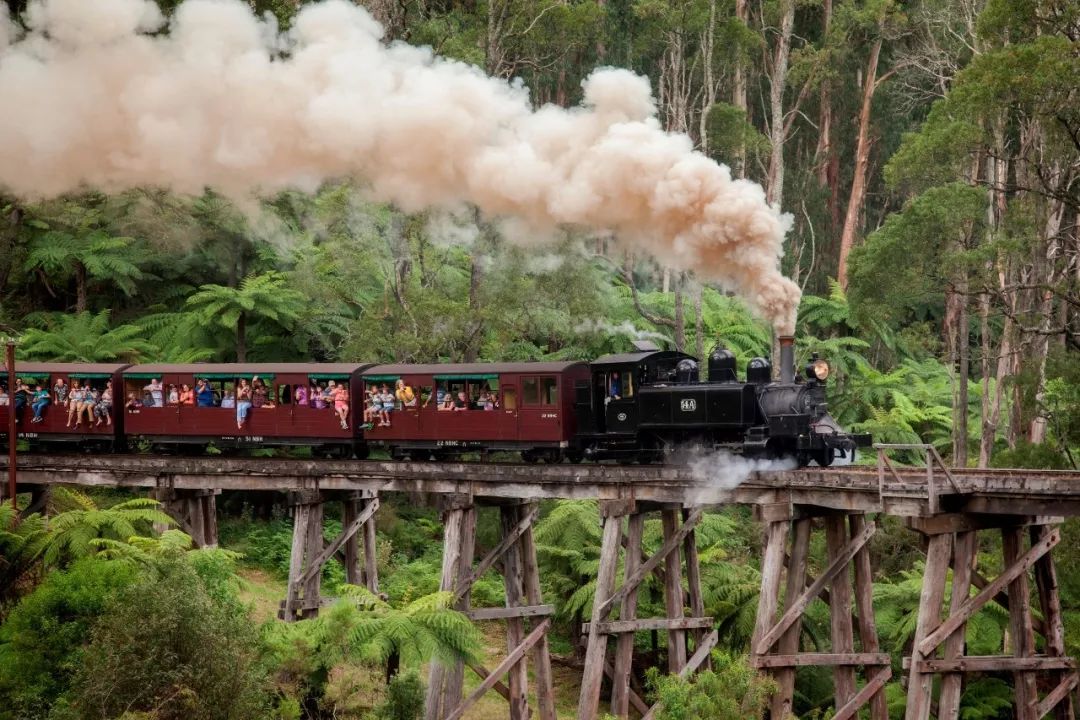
515	556
310	552
679	546
939	645
776	646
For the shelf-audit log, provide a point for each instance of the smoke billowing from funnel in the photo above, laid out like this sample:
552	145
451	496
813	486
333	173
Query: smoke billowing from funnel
92	99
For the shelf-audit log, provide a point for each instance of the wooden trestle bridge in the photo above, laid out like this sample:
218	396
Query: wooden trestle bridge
948	507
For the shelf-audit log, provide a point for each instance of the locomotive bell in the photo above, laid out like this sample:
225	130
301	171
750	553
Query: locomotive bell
721	365
759	371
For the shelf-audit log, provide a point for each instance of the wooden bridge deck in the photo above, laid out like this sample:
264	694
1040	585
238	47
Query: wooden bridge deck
904	491
950	507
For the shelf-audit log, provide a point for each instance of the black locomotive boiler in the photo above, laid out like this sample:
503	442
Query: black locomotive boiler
646	405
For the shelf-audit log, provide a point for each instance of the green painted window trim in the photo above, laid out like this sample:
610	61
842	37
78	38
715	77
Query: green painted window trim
328	376
29	376
232	376
90	376
477	376
141	376
381	378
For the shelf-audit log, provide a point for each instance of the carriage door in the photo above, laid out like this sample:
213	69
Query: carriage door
508	406
621	412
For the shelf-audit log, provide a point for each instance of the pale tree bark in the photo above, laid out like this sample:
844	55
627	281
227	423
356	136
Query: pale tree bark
862	164
738	86
709	83
774	190
699	322
994	365
828	162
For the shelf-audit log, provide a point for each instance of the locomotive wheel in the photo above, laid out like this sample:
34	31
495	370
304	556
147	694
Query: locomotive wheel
824	458
575	456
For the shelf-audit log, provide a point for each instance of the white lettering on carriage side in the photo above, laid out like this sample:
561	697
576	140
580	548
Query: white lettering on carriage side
688	404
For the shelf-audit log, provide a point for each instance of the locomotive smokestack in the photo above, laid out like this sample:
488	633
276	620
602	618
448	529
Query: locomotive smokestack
787	359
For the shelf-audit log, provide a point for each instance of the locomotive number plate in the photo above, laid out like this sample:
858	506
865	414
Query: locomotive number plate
688	405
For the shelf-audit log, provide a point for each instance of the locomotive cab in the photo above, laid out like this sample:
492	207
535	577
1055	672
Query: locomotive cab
611	407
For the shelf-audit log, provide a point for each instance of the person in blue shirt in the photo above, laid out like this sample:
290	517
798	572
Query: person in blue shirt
204	394
41	400
615	391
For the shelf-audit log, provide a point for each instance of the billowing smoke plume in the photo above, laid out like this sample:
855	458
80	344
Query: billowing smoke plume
90	98
720	470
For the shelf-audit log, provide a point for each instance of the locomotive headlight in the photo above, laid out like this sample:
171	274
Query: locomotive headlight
820	369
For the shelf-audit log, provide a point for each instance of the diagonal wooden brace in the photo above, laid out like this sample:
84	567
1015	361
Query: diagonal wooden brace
700	656
500	670
972	605
329	551
669	546
1055	696
799	606
871	688
466	583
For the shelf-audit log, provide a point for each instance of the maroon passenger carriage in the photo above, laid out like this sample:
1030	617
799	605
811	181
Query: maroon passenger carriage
53	429
533	410
286	423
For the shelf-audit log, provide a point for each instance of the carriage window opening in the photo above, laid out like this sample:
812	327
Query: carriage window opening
530	391
510	398
549	391
285	394
628	384
425	395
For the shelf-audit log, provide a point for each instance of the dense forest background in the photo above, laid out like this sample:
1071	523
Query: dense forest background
928	152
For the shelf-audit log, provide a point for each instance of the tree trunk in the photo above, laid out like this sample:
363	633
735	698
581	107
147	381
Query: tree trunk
241	338
828	171
80	287
699	322
862	162
777	82
738	87
680	315
963	372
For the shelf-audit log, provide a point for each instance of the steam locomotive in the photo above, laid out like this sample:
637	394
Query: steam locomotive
643	406
649	405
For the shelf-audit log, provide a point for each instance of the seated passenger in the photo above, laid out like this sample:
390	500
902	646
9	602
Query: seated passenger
258	394
243	402
103	410
74	403
372	405
439	396
461	402
22	399
60	392
328	394
318	399
447	402
204	394
40	401
4	399
187	395
405	394
386	399
341	405
90	400
229	401
156	393
174	395
133	402
486	401
300	395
